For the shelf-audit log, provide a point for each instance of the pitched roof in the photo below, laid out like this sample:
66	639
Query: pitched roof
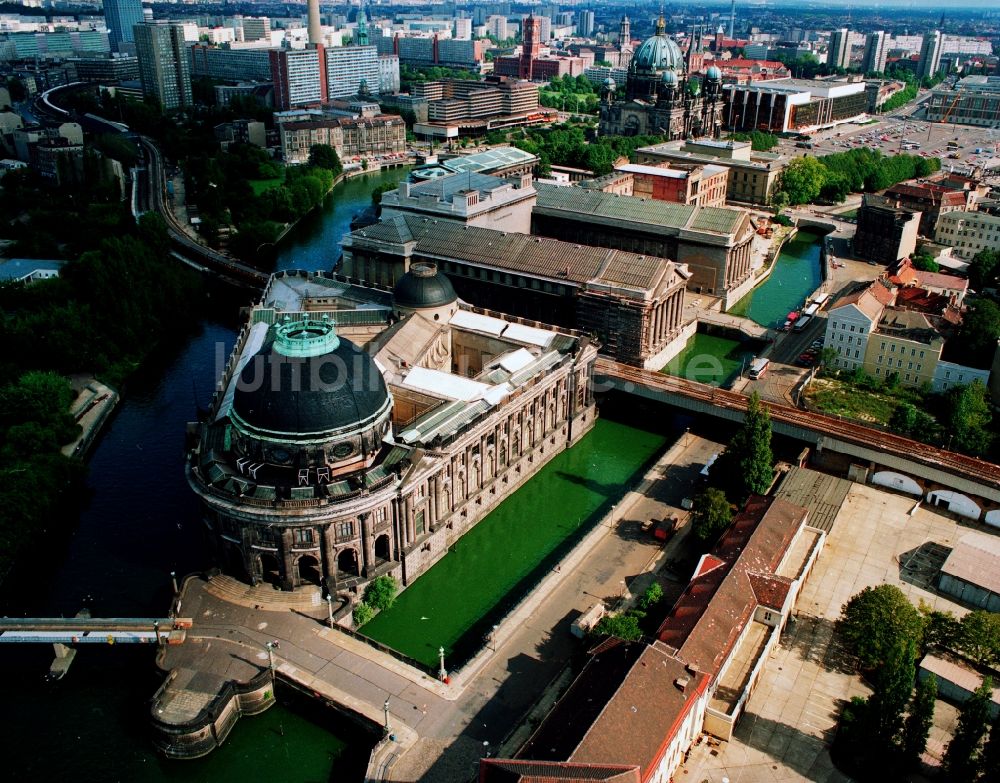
523	771
710	615
643	213
562	262
871	299
624	708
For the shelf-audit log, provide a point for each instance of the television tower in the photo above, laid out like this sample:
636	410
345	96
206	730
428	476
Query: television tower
732	21
313	25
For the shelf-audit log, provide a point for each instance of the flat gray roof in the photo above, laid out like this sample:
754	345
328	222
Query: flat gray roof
821	494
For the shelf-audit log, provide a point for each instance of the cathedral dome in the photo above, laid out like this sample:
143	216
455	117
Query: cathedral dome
308	382
713	73
669	79
658	52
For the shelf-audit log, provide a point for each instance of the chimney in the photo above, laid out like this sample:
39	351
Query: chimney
315	32
682	683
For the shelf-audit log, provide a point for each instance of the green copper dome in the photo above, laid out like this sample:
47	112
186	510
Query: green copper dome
658	52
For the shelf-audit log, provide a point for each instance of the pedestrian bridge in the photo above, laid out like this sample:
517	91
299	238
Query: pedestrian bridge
93	630
874	449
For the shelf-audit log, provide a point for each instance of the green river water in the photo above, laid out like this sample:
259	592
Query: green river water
795	276
454	604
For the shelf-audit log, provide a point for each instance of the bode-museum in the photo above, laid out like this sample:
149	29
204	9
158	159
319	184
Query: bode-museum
661	98
360	431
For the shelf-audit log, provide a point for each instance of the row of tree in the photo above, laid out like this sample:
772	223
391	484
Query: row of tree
569	145
883	737
745	468
759	140
221	184
833	178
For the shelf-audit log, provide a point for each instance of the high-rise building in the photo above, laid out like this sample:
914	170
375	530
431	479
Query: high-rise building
463	29
839	53
164	63
121	16
256	28
497	27
585	24
531	31
875	52
299	77
351	70
930	55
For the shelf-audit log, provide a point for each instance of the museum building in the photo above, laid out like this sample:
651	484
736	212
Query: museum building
360	431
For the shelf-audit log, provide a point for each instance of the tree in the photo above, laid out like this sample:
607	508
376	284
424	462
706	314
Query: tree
962	757
979	636
941	629
711	514
325	157
380	190
983	269
362	614
753	445
893	684
624	625
918	723
970	418
803	180
903	419
652	596
980	331
925	263
381	592
876	621
991	753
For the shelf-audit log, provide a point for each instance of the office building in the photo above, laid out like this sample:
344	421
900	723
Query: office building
585	24
876	49
352	137
887	231
352	70
164	64
839	51
463	29
752	175
299	77
255	28
793	105
930	55
388	74
121	17
690	184
975	100
498	28
236	65
106	70
968	233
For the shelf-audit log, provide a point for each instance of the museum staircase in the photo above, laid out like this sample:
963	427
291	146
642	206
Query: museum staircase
265	596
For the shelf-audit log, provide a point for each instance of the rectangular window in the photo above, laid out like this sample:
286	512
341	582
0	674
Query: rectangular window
892	348
907	376
345	529
852	327
883	346
418	522
303	536
857	354
878	370
380	514
909	365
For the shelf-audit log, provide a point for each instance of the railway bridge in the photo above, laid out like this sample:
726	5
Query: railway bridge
965	485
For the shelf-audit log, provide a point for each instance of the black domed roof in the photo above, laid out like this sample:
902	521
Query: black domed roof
305	379
423	286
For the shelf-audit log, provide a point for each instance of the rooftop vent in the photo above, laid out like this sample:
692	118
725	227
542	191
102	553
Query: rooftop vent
682	683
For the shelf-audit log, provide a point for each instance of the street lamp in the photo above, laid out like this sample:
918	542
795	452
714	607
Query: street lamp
493	638
385	711
270	657
442	672
329	609
622	592
173	581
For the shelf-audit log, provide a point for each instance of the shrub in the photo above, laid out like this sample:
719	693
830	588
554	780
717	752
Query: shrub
362	614
381	592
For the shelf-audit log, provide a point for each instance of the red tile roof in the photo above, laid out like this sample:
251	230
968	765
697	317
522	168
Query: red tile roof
520	771
710	615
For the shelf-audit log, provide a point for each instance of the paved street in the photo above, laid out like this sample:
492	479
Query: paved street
441	730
